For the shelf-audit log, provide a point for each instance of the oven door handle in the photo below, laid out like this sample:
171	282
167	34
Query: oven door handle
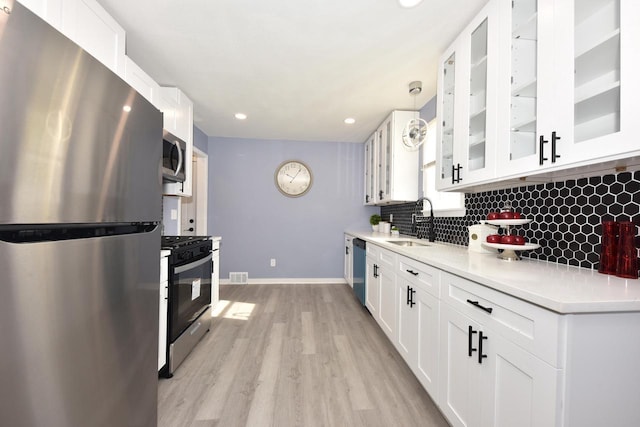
194	264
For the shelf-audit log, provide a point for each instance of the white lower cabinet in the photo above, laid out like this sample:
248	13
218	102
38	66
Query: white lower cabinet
163	310
489	359
348	259
388	305
418	320
381	287
489	381
492	348
372	288
460	383
215	273
427	360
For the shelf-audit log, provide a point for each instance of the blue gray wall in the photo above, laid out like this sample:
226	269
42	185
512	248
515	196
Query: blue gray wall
257	223
200	139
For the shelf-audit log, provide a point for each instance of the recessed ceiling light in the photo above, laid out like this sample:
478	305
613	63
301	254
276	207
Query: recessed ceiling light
126	108
240	116
409	3
349	120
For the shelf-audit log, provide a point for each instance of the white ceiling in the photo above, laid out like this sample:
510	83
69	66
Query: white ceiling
297	68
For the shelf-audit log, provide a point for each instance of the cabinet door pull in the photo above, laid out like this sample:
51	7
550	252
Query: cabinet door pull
366	198
413	292
554	138
346	250
481	338
381	194
415	273
408	295
375	270
453	174
477	304
459	167
471	349
542	142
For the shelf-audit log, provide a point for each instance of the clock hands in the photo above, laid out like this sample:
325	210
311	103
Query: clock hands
294	177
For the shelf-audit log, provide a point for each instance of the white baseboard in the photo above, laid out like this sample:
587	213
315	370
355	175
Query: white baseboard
286	281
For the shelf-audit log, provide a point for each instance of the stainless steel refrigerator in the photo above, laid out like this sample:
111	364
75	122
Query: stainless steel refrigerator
80	205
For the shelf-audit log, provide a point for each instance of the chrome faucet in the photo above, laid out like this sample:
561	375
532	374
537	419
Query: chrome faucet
415	219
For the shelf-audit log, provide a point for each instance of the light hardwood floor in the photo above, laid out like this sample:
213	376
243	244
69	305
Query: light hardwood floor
294	355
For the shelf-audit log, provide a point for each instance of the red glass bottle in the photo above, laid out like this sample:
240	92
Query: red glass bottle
627	265
609	248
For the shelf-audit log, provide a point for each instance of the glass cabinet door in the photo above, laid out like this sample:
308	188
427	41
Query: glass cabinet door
606	84
572	84
448	103
597	69
524	82
370	168
478	98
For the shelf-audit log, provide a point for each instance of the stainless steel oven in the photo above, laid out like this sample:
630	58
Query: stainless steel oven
189	297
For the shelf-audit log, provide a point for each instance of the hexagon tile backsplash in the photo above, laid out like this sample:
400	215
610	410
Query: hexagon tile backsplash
566	216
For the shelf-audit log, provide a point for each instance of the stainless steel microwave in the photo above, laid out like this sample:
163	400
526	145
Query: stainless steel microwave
173	157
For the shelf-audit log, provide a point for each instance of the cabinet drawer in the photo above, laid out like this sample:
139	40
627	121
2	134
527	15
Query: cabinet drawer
387	259
373	251
533	328
421	275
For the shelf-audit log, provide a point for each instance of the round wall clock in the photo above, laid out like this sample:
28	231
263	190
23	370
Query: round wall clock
293	178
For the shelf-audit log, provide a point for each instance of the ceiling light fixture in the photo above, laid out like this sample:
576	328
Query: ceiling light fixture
409	3
349	120
240	116
126	108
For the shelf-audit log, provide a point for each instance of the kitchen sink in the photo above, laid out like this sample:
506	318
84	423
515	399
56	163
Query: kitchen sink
407	243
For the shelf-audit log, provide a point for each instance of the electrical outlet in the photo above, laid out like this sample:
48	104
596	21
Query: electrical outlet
390	217
273	262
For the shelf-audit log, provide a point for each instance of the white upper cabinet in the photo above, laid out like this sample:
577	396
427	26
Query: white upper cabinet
391	169
141	82
49	10
572	78
467	97
177	112
600	51
93	29
566	81
370	169
87	24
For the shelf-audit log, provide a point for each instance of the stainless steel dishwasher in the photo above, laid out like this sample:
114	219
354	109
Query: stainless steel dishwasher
359	269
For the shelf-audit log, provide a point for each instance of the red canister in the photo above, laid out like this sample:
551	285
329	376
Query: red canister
609	248
627	265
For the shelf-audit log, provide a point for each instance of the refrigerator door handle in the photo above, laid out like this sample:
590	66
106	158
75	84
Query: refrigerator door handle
194	264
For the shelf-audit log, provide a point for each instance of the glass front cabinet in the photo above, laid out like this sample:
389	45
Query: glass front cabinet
567	78
467	104
573	74
391	169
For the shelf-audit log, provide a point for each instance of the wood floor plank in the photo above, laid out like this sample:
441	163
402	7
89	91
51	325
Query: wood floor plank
294	355
262	405
308	336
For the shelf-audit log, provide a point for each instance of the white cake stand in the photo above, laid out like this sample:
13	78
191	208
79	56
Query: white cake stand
509	251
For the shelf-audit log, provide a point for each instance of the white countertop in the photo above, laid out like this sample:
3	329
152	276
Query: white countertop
557	287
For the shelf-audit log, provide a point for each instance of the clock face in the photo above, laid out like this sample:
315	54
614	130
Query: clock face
293	178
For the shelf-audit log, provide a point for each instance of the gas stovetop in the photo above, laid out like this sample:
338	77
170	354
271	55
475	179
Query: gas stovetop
172	242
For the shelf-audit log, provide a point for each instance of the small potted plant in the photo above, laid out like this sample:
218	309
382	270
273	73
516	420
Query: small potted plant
374	220
395	231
